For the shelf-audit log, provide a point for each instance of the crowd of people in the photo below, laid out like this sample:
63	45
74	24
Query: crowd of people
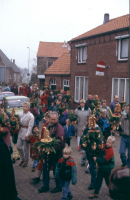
60	127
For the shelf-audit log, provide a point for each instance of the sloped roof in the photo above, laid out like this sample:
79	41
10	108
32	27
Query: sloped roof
113	24
8	63
60	66
52	49
1	63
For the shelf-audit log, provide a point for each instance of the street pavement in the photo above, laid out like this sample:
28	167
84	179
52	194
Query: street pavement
27	190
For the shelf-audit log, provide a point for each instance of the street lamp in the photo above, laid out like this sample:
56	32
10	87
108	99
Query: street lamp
28	58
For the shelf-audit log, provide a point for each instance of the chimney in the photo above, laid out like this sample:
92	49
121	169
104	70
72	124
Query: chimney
106	18
14	61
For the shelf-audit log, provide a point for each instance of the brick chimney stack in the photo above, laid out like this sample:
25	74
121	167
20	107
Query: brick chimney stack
106	18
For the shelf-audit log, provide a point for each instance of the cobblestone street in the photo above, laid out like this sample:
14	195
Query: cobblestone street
27	190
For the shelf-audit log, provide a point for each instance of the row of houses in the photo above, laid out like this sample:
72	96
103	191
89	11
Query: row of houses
9	72
72	66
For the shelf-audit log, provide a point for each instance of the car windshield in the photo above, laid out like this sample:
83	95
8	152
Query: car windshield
10	103
5	95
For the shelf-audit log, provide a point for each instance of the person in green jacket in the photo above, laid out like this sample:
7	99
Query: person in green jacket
106	163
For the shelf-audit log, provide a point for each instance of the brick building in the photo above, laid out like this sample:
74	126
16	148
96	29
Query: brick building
47	54
58	74
108	42
12	71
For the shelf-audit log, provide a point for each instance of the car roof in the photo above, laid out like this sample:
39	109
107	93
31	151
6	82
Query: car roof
15	97
6	92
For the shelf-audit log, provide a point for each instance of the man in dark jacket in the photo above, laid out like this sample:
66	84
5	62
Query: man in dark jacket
57	131
113	103
125	139
7	181
89	101
51	98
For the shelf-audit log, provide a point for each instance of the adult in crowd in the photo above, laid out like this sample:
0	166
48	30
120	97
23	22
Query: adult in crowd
57	131
119	187
7	88
82	112
21	89
89	101
28	90
34	110
51	99
104	105
124	144
26	125
15	89
39	116
103	122
113	103
44	97
34	93
31	87
62	92
7	180
60	97
5	129
57	105
24	90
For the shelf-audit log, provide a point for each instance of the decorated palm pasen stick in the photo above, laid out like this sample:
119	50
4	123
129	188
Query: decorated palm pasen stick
96	106
72	117
115	118
46	146
93	140
14	122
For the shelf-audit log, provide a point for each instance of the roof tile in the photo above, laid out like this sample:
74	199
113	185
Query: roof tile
60	66
51	49
113	24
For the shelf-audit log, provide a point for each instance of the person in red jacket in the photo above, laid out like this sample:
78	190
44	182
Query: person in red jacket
24	91
40	164
21	89
44	97
32	139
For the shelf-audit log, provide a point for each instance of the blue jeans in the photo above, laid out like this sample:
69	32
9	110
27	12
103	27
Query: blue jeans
34	163
92	169
37	122
66	190
100	175
46	173
124	145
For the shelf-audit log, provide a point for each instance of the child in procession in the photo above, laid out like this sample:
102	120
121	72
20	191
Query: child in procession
106	163
66	170
69	131
32	139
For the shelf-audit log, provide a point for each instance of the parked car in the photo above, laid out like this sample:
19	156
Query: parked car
5	94
14	102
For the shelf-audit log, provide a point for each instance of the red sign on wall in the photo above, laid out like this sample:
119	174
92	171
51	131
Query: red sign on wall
101	66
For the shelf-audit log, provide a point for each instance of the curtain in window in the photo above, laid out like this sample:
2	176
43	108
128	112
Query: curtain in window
77	89
115	87
127	91
81	88
121	88
86	89
124	48
80	54
84	54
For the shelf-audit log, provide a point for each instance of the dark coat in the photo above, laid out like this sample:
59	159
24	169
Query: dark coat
88	103
51	98
58	133
7	179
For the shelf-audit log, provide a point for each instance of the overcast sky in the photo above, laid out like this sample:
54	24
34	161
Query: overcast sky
23	23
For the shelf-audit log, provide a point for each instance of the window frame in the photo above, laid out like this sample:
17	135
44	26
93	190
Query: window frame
66	85
81	46
54	81
79	88
112	95
119	40
14	76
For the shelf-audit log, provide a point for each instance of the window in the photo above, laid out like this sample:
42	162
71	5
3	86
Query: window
53	84
82	54
123	44
10	76
81	88
66	85
120	86
14	76
49	63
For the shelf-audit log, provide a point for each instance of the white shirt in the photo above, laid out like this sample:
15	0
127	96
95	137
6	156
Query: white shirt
82	109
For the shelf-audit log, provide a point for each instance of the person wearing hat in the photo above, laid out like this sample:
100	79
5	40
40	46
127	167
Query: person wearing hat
104	105
82	112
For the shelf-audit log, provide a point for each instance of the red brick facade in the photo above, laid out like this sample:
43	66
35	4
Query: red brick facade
102	47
